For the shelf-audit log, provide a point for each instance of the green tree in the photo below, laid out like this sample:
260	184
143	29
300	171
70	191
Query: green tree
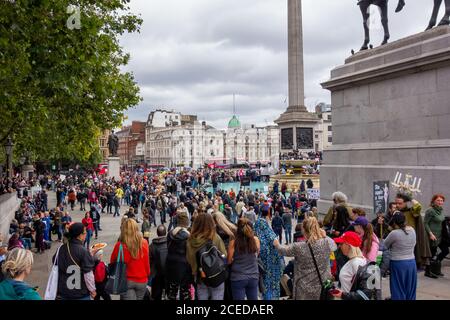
61	86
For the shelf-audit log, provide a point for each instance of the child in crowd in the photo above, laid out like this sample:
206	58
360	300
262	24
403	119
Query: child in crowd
101	276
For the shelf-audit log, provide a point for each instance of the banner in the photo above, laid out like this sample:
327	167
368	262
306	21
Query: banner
245	181
313	194
380	196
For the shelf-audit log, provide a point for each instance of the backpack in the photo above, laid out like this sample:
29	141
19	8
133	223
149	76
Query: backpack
212	266
100	272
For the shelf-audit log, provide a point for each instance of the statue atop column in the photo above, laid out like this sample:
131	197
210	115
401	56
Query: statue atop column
113	144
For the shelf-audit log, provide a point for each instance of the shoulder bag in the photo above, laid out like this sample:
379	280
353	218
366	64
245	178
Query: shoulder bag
324	286
52	284
117	281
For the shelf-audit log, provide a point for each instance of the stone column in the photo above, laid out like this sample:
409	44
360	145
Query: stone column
295	59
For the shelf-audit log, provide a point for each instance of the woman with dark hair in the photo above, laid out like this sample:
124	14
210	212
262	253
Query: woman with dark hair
341	222
89	225
243	258
434	219
204	234
178	271
401	242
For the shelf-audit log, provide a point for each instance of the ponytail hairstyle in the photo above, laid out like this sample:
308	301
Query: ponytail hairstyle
399	220
367	238
17	262
245	238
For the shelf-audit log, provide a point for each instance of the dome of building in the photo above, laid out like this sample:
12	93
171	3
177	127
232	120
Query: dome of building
234	123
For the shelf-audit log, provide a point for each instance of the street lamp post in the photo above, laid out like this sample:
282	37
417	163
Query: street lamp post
8	150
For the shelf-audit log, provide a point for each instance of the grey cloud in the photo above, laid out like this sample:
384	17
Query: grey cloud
192	55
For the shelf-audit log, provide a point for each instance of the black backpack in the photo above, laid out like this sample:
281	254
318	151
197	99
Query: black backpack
212	266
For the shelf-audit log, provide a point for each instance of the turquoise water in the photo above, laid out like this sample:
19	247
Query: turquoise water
236	186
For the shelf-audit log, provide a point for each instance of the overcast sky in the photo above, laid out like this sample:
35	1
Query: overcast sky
192	55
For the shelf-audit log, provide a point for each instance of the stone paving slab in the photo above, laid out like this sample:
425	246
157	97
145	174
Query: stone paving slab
428	289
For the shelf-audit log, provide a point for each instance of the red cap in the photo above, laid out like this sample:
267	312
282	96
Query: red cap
350	238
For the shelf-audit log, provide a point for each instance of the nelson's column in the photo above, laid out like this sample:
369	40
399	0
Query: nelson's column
296	123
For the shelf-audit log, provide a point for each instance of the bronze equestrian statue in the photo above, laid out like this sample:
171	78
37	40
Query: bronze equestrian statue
446	20
383	5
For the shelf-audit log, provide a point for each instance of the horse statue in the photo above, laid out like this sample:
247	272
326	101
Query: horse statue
446	20
383	5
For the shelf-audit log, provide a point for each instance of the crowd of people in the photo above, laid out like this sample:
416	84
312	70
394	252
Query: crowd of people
220	245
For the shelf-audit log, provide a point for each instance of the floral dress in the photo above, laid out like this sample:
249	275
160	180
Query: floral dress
271	260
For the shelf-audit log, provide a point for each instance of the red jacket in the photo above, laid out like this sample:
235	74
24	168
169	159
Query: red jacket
92	197
88	223
138	270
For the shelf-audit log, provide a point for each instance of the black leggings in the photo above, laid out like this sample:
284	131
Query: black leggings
173	288
444	251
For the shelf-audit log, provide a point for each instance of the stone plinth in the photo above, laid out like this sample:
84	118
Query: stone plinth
391	112
9	203
114	168
27	170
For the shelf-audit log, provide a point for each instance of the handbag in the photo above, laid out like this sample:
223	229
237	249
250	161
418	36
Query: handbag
52	284
324	286
117	281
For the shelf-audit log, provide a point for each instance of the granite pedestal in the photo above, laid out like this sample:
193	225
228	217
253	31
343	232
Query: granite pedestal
391	112
114	168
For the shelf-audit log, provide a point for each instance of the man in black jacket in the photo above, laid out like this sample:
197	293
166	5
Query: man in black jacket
95	215
75	265
158	257
39	229
82	197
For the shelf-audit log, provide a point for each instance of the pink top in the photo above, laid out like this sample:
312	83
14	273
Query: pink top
371	255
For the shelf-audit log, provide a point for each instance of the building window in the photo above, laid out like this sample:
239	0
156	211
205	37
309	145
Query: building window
329	117
317	136
330	139
330	128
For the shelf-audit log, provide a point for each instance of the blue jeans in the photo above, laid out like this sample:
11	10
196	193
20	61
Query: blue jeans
288	234
116	211
204	292
88	238
243	288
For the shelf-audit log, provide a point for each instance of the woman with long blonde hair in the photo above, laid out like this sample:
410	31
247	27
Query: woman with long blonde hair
225	229
134	250
312	260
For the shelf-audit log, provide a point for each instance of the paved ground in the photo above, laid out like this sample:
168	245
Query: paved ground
428	289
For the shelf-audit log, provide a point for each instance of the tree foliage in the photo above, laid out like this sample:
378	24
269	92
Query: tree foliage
61	87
